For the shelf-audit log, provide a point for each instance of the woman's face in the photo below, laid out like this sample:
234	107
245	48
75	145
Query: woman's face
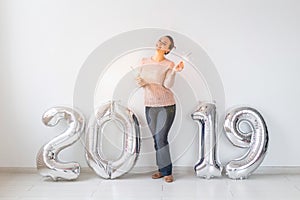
163	44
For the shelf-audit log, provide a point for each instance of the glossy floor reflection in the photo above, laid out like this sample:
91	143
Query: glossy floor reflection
141	186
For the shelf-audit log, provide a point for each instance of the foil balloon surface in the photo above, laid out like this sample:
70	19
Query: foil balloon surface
256	140
208	166
110	169
47	161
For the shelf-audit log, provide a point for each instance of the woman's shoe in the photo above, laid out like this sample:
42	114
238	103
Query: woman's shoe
157	175
169	179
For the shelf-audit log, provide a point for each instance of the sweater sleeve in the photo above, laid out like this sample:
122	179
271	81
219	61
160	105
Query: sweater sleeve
170	78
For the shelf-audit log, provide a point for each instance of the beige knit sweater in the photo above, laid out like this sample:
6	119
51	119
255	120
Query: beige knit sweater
160	78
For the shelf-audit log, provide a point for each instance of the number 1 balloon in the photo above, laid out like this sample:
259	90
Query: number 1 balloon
207	166
256	141
47	161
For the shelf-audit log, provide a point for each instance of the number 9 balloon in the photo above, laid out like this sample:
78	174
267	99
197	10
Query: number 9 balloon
256	141
47	162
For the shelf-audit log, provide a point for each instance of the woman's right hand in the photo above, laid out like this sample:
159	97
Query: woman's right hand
179	67
141	82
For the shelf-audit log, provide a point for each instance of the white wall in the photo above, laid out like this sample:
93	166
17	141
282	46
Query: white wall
254	45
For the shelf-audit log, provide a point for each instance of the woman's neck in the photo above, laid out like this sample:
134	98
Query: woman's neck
159	56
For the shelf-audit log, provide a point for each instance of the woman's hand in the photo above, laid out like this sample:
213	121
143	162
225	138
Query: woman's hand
179	67
141	82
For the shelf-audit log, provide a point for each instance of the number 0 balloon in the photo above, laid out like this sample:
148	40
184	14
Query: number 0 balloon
110	169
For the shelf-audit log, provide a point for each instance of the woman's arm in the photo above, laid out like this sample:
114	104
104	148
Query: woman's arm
138	79
170	75
170	78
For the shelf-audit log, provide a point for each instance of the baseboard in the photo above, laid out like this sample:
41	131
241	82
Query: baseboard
278	170
26	170
260	170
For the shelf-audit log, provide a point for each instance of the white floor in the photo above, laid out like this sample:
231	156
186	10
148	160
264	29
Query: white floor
141	186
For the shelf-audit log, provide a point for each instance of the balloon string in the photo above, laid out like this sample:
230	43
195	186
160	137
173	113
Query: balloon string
136	71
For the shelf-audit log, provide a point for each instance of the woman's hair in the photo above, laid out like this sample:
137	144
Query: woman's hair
171	44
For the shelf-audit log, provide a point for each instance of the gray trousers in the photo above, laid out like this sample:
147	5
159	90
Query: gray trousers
160	120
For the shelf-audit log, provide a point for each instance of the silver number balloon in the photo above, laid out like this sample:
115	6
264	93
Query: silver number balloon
47	161
256	141
208	165
110	169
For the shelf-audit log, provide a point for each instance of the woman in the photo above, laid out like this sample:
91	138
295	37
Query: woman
157	75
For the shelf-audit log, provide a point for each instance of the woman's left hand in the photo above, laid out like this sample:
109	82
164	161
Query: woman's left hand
179	67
